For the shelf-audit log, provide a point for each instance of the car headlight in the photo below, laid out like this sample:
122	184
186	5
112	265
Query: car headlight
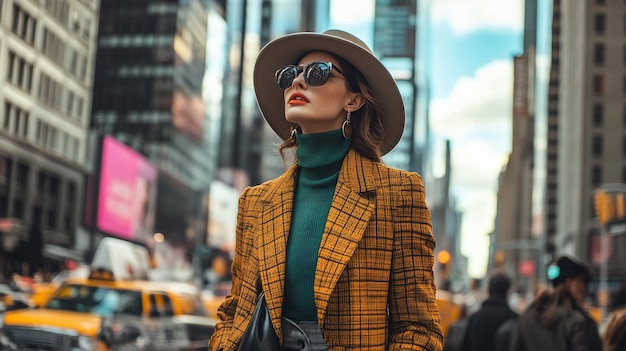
85	343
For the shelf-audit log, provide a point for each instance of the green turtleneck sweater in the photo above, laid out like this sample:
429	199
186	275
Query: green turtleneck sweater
319	159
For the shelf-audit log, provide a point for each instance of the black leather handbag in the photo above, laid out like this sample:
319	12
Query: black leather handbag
260	334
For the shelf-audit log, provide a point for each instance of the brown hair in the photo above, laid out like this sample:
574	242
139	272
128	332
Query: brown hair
367	128
614	337
546	303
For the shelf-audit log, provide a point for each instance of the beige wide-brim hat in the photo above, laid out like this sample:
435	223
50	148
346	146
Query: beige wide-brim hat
290	48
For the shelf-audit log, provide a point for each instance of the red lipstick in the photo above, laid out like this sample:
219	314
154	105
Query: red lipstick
297	99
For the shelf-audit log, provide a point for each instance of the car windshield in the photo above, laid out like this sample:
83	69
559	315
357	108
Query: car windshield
103	301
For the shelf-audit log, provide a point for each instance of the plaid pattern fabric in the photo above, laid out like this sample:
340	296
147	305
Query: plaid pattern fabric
374	285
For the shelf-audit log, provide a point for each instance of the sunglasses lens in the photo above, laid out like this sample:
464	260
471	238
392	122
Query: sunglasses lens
285	76
317	73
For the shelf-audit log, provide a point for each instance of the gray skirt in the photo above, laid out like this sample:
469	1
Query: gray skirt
302	336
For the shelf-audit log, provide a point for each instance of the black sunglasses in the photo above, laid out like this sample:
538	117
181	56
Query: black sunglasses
316	73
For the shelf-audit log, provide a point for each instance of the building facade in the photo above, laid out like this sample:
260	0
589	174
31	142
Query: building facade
586	126
47	50
148	94
395	44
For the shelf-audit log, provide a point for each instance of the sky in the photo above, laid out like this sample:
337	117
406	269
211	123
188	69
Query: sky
472	43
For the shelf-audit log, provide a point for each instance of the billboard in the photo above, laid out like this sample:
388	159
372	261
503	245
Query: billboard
127	192
188	115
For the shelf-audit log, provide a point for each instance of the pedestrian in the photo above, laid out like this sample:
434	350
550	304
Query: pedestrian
556	320
341	244
474	296
493	313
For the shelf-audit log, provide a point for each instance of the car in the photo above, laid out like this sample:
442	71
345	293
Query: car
100	313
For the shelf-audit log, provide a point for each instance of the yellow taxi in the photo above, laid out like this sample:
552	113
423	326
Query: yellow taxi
100	313
450	309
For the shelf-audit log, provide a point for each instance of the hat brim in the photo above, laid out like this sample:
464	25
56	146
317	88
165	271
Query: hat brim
289	48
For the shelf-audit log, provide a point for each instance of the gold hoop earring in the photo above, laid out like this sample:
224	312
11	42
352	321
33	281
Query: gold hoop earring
346	127
294	131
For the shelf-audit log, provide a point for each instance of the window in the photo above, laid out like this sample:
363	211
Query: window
50	92
79	108
72	63
67	222
41	183
23	24
596	176
65	145
99	300
598	84
53	46
19	72
71	192
60	9
21	180
18	209
69	103
600	23
552	126
598	114
75	149
598	54
52	219
6	124
553	97
597	145
55	184
16	120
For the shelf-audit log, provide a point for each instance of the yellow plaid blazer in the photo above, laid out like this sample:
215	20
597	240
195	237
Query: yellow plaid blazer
374	286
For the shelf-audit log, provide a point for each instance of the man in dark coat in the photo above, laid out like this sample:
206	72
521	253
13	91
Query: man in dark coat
484	323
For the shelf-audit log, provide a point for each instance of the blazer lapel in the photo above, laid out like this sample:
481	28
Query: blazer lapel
347	221
274	229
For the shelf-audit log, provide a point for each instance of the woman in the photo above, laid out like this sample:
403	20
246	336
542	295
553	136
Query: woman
341	244
556	320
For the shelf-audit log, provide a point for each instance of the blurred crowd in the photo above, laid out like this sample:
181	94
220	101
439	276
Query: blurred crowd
558	318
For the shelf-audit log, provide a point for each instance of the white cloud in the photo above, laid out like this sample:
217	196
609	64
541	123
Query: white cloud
357	20
346	12
476	105
465	16
476	117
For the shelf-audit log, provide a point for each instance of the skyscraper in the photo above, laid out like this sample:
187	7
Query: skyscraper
47	50
148	94
395	31
586	125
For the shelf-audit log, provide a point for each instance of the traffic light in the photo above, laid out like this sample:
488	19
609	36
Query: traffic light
443	257
605	209
620	206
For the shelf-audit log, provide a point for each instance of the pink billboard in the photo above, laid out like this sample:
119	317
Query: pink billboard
127	196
